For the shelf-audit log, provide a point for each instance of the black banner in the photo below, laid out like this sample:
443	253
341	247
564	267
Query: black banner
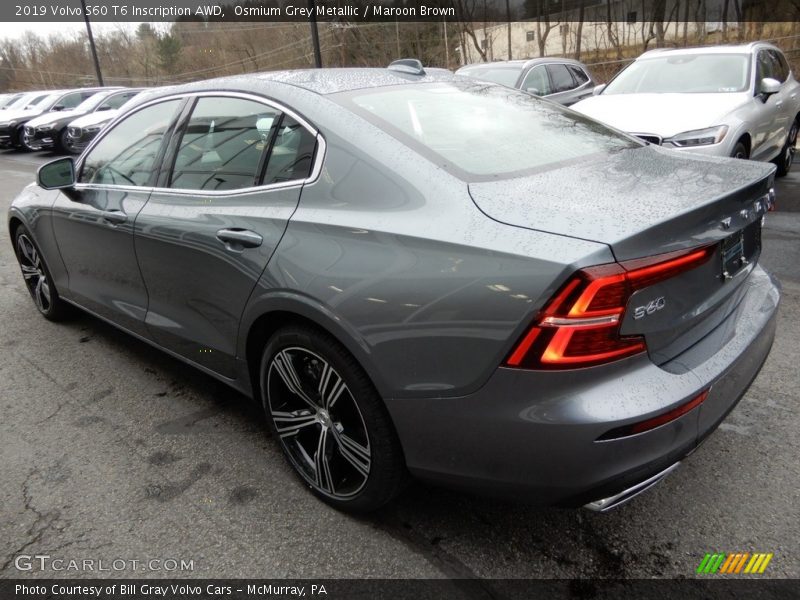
398	589
359	11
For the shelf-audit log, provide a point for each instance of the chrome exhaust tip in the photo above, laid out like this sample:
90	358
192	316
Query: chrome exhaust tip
606	504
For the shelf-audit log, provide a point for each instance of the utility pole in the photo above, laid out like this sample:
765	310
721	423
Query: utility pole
91	45
508	21
314	33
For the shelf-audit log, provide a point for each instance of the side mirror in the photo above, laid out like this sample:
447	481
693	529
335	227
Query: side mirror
57	174
598	88
58	107
534	91
768	87
102	108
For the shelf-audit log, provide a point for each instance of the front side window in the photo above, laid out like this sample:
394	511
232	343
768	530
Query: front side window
126	154
114	101
781	69
684	74
537	82
72	100
480	131
223	145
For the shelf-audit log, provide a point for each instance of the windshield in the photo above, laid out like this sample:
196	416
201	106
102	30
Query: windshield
91	102
483	131
504	75
684	74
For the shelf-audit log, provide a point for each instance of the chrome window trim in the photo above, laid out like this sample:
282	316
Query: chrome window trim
316	168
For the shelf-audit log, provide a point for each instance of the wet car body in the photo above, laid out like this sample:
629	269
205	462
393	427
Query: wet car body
445	285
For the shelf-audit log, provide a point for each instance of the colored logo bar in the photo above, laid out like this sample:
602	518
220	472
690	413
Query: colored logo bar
735	563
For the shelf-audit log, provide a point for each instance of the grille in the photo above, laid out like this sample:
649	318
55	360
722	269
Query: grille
649	137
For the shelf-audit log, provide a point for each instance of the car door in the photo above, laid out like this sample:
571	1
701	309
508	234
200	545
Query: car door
236	170
785	100
93	223
765	139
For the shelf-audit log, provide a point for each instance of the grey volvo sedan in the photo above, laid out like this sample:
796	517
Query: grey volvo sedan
419	273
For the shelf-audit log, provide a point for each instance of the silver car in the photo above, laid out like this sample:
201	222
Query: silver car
741	101
561	80
559	312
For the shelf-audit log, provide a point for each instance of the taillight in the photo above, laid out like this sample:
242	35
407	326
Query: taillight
579	327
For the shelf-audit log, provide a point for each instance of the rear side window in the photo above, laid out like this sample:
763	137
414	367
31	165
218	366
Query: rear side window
127	153
223	144
292	153
562	80
578	74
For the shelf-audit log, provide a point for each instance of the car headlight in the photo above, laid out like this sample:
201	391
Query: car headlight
92	128
45	127
8	123
700	137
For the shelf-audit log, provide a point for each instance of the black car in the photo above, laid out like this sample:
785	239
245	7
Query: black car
50	130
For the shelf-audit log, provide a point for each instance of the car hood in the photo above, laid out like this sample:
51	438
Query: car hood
12	115
661	114
639	201
59	115
94	118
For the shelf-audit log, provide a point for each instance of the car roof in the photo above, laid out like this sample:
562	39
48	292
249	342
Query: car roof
724	49
319	81
525	63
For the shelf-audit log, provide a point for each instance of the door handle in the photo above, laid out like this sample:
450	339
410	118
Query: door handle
115	217
237	239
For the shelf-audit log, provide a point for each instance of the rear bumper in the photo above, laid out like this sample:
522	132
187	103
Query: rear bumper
533	435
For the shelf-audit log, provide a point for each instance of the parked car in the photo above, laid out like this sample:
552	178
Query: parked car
558	79
741	101
83	130
7	100
50	130
12	123
548	314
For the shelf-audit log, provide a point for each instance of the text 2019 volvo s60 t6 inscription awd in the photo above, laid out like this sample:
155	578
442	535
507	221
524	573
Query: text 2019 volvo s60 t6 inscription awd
420	273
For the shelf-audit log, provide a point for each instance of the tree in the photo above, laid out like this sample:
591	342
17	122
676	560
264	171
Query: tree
169	52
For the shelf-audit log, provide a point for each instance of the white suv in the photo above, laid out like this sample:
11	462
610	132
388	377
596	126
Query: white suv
741	101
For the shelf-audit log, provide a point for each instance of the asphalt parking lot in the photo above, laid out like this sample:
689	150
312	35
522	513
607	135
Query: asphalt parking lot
110	450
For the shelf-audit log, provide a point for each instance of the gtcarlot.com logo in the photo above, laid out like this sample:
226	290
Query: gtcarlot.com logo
735	563
44	562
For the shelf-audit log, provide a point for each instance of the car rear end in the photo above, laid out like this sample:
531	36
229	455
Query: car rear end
620	369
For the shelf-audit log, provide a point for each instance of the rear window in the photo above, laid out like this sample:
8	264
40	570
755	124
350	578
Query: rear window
482	132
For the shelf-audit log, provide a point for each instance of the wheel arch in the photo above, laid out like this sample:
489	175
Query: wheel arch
268	314
747	140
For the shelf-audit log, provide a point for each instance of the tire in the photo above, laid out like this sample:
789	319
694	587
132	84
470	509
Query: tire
38	279
740	150
786	157
329	420
19	142
62	145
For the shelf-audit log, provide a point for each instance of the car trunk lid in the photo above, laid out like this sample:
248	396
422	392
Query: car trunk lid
646	202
